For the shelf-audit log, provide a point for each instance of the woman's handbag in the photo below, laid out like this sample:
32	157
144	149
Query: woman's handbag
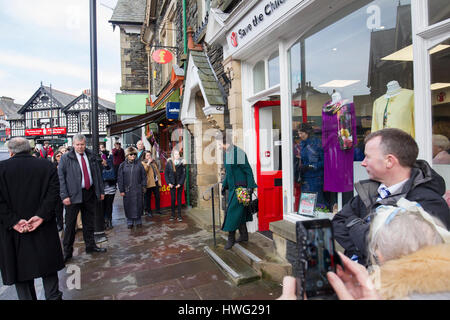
253	205
109	174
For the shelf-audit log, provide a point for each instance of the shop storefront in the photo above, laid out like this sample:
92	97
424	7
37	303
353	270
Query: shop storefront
346	68
159	128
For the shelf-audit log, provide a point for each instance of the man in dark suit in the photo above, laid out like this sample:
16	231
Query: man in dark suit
29	242
81	184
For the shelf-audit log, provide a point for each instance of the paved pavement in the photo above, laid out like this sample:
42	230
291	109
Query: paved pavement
162	260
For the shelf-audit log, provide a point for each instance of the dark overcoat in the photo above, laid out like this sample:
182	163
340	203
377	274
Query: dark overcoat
238	173
131	180
28	187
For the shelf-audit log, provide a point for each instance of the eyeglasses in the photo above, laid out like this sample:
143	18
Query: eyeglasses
133	154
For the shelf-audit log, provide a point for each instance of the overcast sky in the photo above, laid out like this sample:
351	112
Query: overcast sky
48	41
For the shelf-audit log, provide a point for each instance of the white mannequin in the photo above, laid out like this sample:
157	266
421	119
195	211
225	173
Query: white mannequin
393	89
336	97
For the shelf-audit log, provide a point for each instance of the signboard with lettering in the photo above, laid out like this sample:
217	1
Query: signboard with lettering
173	110
307	204
256	21
162	56
45	131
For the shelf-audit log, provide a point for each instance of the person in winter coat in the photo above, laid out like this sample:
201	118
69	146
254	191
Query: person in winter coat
175	174
311	168
394	173
110	181
132	182
238	173
29	242
410	253
46	151
153	183
118	155
59	209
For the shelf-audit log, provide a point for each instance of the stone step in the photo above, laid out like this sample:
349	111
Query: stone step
233	266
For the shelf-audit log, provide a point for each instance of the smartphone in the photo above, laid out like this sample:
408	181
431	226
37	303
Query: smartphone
317	256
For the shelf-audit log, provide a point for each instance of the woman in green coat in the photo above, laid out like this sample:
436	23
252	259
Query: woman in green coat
238	173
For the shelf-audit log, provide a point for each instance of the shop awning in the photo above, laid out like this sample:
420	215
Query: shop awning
135	122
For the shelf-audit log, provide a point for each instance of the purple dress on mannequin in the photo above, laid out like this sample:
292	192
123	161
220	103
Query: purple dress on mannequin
338	163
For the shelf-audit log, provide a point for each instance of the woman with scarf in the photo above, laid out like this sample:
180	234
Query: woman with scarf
132	181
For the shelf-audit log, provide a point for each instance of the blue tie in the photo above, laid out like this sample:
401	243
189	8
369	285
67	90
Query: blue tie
384	193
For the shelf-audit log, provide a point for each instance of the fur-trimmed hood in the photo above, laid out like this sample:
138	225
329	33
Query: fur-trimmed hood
421	274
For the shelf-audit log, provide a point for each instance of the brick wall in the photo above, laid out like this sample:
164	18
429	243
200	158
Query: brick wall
134	62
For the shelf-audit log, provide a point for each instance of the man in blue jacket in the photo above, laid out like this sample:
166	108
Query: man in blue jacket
394	172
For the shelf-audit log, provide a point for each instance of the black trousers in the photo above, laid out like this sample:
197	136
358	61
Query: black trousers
26	290
87	208
175	194
148	199
108	206
59	209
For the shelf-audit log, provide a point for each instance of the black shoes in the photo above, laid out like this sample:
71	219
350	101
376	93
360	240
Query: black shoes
95	249
243	233
231	240
180	219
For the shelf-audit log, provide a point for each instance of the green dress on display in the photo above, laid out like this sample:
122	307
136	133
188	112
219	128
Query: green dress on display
238	174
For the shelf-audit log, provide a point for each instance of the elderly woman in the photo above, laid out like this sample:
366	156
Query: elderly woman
411	254
132	181
440	147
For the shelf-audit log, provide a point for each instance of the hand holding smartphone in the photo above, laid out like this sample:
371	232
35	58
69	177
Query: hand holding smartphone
316	257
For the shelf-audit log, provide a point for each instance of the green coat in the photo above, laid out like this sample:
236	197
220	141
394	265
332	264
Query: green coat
238	173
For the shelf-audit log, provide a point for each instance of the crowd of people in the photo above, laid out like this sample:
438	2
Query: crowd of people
75	180
394	232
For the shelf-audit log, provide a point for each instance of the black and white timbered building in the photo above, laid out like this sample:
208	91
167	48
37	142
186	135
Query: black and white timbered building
57	116
79	116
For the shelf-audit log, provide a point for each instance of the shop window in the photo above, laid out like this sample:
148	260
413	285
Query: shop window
438	10
440	101
349	75
259	77
274	70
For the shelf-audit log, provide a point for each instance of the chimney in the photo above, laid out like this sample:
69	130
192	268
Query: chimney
191	44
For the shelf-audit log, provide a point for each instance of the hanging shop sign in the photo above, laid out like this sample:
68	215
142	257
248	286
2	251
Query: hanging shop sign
172	110
45	131
162	56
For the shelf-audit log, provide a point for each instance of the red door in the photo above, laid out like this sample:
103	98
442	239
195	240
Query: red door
268	165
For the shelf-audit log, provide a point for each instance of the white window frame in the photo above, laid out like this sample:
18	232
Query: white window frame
425	37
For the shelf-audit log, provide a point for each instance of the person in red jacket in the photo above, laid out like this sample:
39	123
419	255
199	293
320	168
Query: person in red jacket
118	156
46	151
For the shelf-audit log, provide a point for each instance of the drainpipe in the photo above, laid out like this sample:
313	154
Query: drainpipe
185	135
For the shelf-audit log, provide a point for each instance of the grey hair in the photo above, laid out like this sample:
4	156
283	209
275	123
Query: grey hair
79	137
19	145
406	233
440	141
